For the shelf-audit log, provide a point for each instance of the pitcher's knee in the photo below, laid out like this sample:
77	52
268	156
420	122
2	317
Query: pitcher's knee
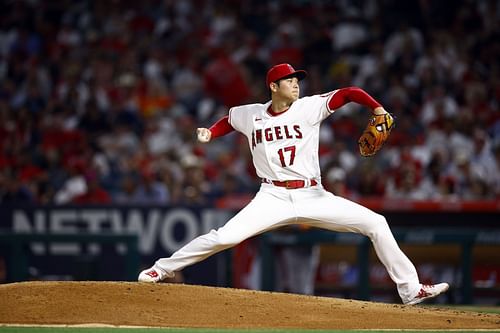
377	226
224	240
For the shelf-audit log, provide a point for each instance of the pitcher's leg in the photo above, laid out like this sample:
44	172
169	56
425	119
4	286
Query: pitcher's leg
339	214
265	212
400	268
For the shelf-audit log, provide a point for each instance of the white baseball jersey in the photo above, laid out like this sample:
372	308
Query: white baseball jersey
284	146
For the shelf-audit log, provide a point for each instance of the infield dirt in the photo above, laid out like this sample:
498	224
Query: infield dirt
179	305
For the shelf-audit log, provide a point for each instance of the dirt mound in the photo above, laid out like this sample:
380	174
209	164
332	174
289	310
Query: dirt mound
178	305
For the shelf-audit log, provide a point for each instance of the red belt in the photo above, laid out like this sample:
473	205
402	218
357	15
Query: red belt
290	184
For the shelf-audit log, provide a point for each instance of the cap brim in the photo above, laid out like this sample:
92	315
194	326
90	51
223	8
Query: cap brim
300	74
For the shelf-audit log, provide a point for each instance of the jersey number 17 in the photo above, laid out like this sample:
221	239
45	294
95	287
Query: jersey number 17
289	151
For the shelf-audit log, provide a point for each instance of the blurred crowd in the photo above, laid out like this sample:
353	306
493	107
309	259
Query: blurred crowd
100	100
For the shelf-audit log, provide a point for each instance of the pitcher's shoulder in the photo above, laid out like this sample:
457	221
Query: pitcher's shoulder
250	108
312	98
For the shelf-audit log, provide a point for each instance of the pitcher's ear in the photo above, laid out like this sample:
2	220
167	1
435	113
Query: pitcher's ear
273	86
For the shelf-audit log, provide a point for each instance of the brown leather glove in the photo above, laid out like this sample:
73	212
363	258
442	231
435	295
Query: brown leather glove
375	134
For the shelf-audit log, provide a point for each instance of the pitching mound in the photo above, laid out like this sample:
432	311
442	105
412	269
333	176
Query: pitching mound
177	305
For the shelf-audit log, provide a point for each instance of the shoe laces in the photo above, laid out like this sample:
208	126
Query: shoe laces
423	292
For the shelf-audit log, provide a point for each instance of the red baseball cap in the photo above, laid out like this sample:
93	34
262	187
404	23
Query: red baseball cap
282	71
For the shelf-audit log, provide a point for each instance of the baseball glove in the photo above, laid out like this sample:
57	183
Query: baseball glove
375	134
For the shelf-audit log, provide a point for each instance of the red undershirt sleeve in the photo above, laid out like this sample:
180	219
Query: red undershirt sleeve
352	94
221	127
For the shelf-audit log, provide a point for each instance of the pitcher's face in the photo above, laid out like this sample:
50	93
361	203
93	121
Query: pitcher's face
288	89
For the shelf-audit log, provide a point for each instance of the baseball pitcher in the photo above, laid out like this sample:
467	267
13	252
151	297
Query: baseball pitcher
283	136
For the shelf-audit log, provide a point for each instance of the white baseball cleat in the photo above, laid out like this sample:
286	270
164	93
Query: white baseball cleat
154	275
428	291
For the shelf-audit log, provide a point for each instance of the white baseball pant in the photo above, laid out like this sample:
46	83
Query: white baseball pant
274	207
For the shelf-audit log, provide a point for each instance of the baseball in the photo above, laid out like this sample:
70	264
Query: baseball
204	134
